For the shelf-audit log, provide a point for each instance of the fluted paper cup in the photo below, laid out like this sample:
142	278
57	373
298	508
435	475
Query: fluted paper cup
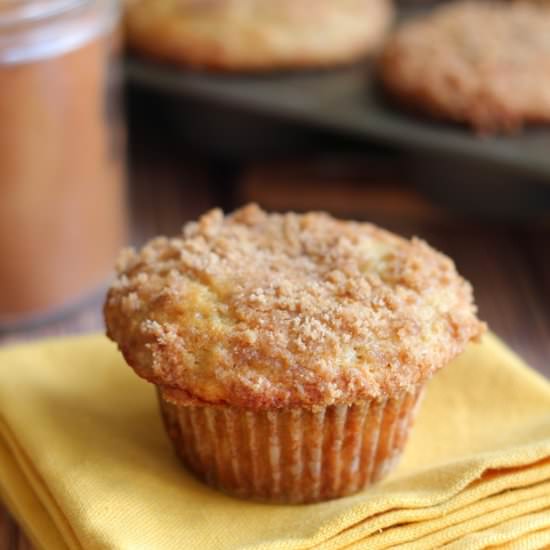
292	455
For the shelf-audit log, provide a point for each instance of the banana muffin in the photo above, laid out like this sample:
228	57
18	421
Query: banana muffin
483	64
255	35
289	351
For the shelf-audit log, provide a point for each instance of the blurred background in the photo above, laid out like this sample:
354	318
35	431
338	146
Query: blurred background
103	145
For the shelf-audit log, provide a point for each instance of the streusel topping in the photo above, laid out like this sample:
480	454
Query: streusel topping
265	310
485	63
256	35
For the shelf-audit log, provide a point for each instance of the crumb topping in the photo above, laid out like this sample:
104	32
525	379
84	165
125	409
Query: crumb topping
487	66
256	35
265	310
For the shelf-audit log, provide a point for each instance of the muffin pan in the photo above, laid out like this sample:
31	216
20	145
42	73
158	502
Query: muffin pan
344	101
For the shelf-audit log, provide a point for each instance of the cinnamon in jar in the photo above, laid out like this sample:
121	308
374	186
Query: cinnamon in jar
62	192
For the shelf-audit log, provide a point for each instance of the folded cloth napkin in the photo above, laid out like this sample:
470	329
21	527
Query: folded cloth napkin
84	463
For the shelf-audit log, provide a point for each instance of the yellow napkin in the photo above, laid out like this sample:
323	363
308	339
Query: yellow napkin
84	463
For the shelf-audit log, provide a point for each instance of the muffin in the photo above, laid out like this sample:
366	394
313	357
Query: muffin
289	351
252	35
489	64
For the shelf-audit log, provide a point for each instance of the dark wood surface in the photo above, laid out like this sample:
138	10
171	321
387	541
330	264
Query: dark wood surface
508	264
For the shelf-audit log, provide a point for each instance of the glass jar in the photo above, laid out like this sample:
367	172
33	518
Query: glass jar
62	161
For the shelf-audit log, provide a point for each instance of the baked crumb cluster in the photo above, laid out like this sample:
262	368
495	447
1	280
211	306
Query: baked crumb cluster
265	310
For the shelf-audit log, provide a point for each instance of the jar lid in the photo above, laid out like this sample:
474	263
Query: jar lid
35	29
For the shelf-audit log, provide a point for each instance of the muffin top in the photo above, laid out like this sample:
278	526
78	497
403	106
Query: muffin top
256	35
489	63
263	311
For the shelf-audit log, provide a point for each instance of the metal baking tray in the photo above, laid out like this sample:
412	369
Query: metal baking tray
345	101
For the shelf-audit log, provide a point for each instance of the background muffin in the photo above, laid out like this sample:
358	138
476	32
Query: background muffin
289	350
486	64
256	35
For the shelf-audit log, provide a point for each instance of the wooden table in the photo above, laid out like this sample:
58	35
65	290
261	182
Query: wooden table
508	264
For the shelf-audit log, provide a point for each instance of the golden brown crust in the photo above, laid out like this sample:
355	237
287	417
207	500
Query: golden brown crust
249	35
485	64
265	311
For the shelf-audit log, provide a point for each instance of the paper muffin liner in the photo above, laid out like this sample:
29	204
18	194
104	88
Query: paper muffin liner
292	455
